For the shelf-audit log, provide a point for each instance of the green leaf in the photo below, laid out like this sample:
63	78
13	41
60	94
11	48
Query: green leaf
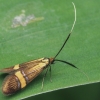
45	37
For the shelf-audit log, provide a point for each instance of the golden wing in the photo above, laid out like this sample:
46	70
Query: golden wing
21	66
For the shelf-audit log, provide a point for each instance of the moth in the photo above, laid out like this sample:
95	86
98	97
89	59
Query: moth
22	74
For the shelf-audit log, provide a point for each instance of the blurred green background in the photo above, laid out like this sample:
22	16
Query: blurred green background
44	38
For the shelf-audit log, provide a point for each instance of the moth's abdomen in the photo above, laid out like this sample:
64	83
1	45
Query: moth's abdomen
11	84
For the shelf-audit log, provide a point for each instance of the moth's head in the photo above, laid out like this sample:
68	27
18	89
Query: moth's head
51	60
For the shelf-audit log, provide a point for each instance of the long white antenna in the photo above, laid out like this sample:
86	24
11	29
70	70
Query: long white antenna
75	17
69	33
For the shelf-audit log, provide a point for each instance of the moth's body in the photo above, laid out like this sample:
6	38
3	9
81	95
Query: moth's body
22	74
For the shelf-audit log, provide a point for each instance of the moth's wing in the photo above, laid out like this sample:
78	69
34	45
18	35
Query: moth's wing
21	66
10	69
30	64
10	84
16	67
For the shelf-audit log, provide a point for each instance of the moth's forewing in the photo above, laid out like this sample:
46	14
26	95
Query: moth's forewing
18	66
7	70
10	85
33	68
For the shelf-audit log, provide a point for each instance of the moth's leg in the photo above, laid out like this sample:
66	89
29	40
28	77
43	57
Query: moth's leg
43	78
50	73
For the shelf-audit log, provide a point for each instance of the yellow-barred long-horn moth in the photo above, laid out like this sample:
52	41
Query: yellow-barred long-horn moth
22	74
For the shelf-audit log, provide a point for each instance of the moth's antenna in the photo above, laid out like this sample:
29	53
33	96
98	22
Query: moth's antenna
73	66
69	33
